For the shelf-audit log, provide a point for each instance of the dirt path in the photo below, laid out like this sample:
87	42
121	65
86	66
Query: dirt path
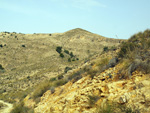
6	109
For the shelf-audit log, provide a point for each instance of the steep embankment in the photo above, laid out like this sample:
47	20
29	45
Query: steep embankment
7	107
89	95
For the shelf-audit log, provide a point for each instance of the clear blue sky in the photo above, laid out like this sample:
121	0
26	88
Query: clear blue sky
104	17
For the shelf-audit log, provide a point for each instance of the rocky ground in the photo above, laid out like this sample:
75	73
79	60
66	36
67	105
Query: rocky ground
74	97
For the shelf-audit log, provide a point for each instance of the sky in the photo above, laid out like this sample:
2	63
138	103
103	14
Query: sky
110	18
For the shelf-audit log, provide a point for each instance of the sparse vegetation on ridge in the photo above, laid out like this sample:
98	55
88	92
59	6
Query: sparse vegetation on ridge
135	54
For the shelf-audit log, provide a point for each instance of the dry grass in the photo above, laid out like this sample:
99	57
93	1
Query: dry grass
135	54
113	107
20	108
29	58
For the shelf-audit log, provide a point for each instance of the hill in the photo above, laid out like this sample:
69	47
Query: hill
113	82
28	59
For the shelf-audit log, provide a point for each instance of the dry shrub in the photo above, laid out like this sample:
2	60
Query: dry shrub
113	107
92	100
99	66
41	89
20	108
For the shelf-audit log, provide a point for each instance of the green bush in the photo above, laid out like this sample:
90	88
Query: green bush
59	49
71	54
61	55
67	69
105	48
69	59
1	67
53	79
66	51
73	59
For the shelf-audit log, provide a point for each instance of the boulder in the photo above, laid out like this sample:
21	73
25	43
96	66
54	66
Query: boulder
113	62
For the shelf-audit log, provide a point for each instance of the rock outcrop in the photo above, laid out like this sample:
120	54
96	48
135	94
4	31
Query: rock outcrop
74	97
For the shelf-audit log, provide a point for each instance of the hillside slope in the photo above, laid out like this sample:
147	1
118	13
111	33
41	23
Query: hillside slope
114	82
28	59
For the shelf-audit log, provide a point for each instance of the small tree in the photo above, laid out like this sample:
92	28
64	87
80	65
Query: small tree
105	48
1	68
71	54
66	51
59	49
61	55
67	69
69	59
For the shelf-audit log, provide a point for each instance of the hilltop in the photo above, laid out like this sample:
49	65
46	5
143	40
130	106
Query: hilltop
26	60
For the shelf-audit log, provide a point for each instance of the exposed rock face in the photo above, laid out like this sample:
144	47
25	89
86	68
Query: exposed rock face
73	97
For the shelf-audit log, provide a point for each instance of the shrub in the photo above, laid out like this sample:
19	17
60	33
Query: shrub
126	48
107	108
60	83
92	100
67	69
53	79
1	45
76	75
69	59
71	55
1	67
2	70
20	108
92	73
23	45
135	53
61	55
105	48
60	77
41	89
73	59
113	107
113	48
2	105
66	51
59	49
102	64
